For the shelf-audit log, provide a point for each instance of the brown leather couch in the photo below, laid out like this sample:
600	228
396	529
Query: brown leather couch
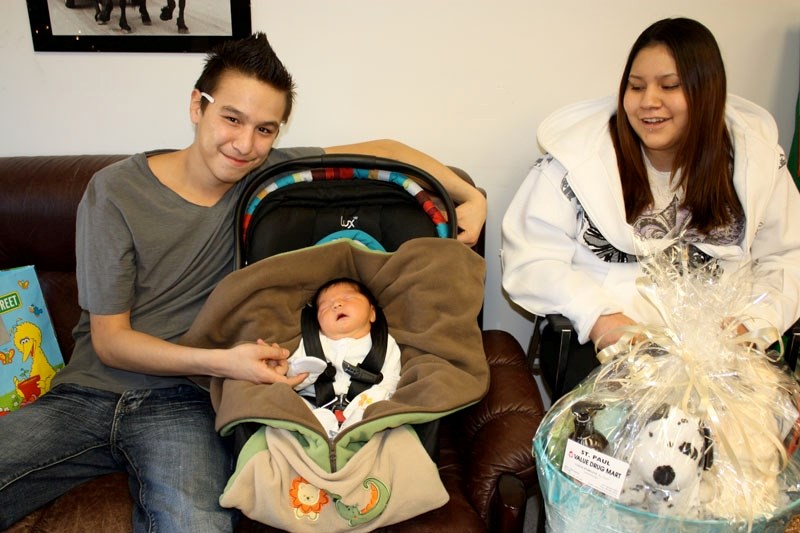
485	456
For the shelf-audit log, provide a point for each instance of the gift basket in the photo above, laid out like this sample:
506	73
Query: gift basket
690	425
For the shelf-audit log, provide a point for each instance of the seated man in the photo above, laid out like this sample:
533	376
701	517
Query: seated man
154	237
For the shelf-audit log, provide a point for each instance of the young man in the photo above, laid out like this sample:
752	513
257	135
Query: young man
153	239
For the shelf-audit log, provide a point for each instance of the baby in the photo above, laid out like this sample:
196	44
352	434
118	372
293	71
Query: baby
349	321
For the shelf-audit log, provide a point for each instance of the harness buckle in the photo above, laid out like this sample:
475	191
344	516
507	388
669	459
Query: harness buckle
338	407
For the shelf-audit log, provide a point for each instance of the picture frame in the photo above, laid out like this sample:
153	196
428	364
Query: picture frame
73	25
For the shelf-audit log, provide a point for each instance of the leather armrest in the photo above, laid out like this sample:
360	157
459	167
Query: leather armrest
498	430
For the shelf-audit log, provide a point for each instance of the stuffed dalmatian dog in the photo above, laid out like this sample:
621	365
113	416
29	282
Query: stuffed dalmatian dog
667	464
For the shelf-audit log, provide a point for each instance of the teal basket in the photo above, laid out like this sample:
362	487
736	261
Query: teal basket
573	507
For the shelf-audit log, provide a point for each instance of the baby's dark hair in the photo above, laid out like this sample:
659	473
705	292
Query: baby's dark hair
251	56
362	289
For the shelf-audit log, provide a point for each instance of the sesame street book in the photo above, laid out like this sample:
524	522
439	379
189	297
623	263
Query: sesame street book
29	352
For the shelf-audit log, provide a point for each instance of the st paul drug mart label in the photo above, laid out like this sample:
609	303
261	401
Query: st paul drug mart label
594	469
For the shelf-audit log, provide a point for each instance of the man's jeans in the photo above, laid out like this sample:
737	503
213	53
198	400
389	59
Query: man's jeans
163	438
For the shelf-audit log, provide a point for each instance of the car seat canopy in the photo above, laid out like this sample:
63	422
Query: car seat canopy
305	204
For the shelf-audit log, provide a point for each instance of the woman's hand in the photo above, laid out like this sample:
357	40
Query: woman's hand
605	331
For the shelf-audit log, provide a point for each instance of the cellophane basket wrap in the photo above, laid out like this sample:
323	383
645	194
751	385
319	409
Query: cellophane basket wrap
700	411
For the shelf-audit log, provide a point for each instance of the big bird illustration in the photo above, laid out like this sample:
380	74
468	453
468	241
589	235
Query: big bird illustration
28	340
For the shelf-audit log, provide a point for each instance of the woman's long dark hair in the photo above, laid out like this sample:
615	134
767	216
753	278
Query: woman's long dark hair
705	156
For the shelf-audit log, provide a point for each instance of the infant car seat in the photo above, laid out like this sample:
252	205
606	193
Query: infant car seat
379	202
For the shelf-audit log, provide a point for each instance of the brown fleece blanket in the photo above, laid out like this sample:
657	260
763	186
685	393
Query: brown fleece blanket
430	289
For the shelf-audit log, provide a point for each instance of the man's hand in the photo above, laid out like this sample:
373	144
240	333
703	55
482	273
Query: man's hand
471	216
281	366
260	362
471	211
119	346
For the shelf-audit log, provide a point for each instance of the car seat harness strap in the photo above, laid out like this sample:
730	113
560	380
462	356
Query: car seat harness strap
362	376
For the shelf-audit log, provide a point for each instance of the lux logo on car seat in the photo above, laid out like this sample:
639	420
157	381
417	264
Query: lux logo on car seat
349	223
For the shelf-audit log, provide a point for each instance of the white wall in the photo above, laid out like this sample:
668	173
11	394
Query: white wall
467	81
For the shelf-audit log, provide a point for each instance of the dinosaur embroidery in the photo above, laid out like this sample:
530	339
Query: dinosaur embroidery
379	499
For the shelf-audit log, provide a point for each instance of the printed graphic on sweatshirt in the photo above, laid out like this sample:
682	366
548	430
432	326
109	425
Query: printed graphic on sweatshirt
651	225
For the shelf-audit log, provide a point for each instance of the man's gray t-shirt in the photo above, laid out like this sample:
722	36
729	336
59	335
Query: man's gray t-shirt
142	247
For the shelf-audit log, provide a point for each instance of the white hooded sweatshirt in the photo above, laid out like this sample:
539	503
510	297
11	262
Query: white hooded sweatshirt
548	268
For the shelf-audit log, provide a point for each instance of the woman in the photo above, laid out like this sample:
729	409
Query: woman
674	150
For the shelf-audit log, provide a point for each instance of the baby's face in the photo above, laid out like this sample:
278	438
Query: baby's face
342	312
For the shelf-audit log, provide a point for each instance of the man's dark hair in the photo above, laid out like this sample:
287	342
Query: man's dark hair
251	56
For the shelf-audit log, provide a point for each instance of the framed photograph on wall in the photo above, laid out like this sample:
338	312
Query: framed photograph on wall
136	25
